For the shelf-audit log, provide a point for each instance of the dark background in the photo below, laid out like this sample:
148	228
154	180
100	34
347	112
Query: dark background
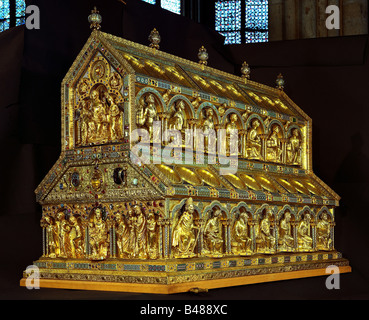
328	78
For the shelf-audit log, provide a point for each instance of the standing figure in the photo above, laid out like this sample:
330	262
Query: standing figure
114	118
241	242
152	237
52	243
274	146
265	239
213	235
323	233
294	148
121	230
149	114
184	236
75	238
62	229
304	238
129	244
209	131
286	241
86	123
98	236
140	227
253	142
231	134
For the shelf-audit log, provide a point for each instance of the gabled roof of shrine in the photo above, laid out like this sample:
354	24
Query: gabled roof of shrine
154	63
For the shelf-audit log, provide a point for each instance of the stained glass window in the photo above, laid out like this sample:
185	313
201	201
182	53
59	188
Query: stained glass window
171	5
228	20
242	21
4	15
256	21
12	13
20	12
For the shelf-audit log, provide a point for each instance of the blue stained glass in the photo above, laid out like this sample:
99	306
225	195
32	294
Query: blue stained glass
172	5
150	1
256	15
4	10
228	15
20	21
232	37
256	36
20	8
4	15
4	25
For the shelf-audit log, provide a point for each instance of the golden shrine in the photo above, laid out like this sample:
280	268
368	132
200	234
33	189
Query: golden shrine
111	221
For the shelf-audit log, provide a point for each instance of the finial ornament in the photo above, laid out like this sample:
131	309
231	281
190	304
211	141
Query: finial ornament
95	19
154	39
203	56
280	82
245	70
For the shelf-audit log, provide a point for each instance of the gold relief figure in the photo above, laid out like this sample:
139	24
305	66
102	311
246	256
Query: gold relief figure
140	227
265	239
114	117
130	245
304	236
75	238
240	240
184	237
213	235
52	241
115	81
294	148
147	113
62	230
99	117
122	234
98	236
253	142
286	240
196	103
83	87
274	146
323	233
152	237
231	136
87	124
140	119
98	70
166	96
209	130
177	119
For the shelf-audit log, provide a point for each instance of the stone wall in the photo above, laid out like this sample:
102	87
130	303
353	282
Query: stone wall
302	19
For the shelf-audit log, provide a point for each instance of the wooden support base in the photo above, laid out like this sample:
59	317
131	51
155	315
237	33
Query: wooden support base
180	287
